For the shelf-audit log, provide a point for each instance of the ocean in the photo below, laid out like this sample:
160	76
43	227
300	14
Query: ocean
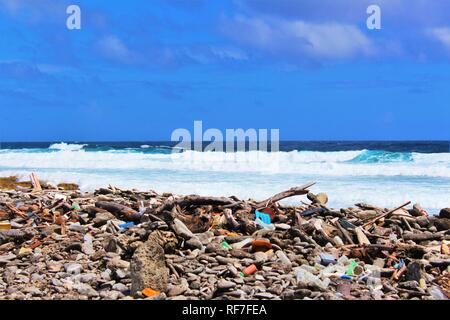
385	173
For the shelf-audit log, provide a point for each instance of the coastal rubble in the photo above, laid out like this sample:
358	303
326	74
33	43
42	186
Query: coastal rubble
61	243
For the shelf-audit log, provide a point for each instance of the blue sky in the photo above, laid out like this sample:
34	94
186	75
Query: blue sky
139	69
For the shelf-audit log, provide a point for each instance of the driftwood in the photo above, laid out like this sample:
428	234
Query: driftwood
344	232
297	191
412	292
203	201
362	238
195	200
385	214
417	237
35	182
17	235
119	210
16	211
299	232
230	219
389	247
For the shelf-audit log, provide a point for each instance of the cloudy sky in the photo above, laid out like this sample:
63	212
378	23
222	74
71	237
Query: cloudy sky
139	69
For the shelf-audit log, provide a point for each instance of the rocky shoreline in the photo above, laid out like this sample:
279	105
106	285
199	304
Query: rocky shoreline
128	244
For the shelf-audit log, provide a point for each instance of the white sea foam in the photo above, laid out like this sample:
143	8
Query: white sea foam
423	178
67	146
306	163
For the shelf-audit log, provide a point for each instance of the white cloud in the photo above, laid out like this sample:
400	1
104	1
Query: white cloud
299	38
225	53
114	48
442	35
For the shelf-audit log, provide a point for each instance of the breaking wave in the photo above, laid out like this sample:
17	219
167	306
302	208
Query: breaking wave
379	177
67	146
340	163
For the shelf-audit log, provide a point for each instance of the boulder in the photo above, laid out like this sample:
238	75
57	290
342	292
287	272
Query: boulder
102	218
148	267
441	224
445	213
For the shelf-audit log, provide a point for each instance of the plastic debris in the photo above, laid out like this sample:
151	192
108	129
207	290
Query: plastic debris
126	225
225	245
263	225
5	225
261	244
149	293
313	211
251	269
264	217
327	259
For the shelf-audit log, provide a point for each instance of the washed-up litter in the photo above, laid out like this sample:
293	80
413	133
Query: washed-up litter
149	293
5	225
264	217
249	270
126	225
61	243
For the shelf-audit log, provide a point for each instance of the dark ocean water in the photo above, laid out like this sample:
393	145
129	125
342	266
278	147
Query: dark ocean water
323	146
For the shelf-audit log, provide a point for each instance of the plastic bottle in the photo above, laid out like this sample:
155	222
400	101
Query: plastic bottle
283	257
263	225
436	293
307	277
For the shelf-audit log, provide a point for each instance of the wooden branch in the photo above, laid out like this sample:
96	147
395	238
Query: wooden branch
417	237
385	214
362	238
202	201
296	191
16	211
344	232
119	210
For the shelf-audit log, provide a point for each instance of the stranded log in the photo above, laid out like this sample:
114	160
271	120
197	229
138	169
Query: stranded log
297	191
119	210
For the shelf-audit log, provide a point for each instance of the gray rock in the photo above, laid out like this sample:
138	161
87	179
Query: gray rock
194	243
261	257
282	226
178	289
148	267
102	218
225	284
120	287
73	268
263	295
445	213
86	290
77	227
117	263
181	230
111	295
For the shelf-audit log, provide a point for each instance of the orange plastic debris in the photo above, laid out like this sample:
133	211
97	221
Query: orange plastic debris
232	234
5	226
261	245
249	270
150	292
